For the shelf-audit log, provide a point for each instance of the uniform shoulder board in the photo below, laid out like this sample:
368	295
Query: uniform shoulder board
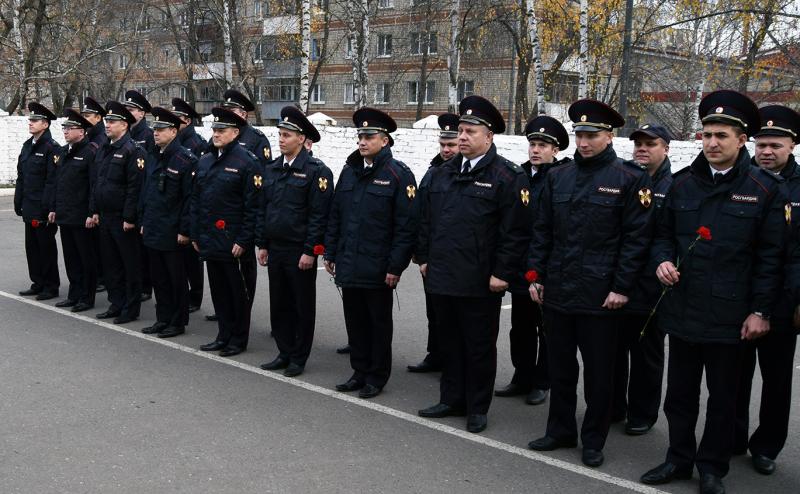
513	166
251	154
562	161
402	166
94	145
633	164
682	171
257	132
760	173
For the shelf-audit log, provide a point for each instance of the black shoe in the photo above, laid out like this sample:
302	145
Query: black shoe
441	410
343	350
145	297
155	328
763	465
537	397
294	370
548	443
369	391
125	319
637	429
278	363
193	308
212	317
665	473
711	484
47	296
30	291
171	331
230	351
213	346
109	314
66	303
82	307
513	389
424	366
476	422
100	288
351	385
592	457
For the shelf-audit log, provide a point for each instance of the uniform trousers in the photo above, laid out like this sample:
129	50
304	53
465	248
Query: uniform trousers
80	260
41	253
528	343
168	274
232	283
368	319
194	274
293	305
638	381
121	265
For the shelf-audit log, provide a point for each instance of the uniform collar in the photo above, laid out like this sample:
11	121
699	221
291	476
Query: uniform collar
606	156
478	163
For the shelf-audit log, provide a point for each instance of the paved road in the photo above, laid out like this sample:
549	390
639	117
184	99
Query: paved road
92	407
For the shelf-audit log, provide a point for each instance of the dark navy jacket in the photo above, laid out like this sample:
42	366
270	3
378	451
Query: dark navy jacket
192	141
372	221
789	297
592	232
118	181
296	201
254	141
36	167
737	272
166	192
142	135
227	187
73	183
97	134
473	225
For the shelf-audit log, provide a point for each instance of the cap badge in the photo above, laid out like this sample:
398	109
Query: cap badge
229	100
583	118
216	119
541	129
469	112
770	123
646	126
130	99
446	127
719	109
364	123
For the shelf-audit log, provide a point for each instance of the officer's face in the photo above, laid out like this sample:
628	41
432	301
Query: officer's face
137	113
37	125
223	137
164	136
448	148
650	151
308	144
540	151
474	140
369	145
290	142
93	118
239	111
116	129
721	144
772	152
73	134
592	143
185	122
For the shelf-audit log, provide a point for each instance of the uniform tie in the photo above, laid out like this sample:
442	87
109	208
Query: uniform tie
467	166
718	177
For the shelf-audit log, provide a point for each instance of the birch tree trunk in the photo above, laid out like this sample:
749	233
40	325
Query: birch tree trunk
453	57
538	69
305	29
226	42
364	55
583	54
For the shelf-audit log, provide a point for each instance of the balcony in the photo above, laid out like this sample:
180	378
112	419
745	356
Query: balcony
283	24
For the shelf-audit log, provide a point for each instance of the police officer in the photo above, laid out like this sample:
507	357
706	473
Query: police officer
94	112
775	141
225	204
546	137
189	139
639	398
448	147
69	209
114	203
590	240
724	290
35	178
474	232
251	138
165	224
368	244
297	195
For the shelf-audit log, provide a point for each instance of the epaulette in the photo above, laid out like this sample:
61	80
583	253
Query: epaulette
94	145
562	161
251	154
402	165
635	165
762	172
257	132
313	160
513	166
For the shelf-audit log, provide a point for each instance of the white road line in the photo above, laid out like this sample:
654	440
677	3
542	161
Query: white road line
446	429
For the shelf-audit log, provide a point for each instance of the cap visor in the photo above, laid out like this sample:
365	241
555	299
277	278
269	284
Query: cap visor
587	128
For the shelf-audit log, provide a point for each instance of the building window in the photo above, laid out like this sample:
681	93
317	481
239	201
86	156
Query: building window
419	40
465	88
385	4
183	18
382	92
384	45
146	22
280	92
182	93
348	50
316	49
260	8
413	90
258	92
123	24
350	93
317	94
123	61
184	55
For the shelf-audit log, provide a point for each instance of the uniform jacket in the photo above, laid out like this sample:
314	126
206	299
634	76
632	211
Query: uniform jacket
97	134
739	270
473	225
118	180
73	183
789	297
142	135
372	221
592	232
35	177
254	141
192	141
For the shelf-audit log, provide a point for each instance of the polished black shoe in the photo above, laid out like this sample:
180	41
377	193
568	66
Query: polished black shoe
342	350
125	319
30	291
441	410
350	385
537	397
637	428
212	317
230	351
145	297
155	328
66	303
548	443
47	296
424	366
369	391
82	307
476	422
276	364
513	389
665	473
171	331
213	346
109	314
711	484
763	465
294	370
592	457
100	288
193	308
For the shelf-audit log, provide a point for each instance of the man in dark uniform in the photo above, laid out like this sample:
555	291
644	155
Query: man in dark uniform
639	399
724	290
448	147
189	139
114	203
165	224
297	195
780	130
251	138
368	245
94	112
473	234
590	241
546	137
226	199
35	178
69	209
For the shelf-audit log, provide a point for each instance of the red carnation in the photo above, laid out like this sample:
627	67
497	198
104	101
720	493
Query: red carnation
220	224
319	250
35	223
531	276
704	233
